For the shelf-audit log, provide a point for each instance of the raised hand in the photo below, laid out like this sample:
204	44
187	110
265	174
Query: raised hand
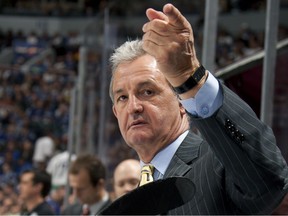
168	36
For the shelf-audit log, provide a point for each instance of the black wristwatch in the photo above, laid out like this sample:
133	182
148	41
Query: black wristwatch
192	81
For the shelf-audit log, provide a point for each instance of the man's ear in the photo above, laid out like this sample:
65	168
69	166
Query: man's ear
39	187
182	109
114	111
101	182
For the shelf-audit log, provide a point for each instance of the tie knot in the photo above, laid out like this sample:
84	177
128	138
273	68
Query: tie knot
148	168
146	174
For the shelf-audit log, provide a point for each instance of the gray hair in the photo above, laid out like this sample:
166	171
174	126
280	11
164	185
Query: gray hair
127	52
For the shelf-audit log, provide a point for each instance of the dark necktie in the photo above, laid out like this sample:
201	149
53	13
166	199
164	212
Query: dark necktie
146	174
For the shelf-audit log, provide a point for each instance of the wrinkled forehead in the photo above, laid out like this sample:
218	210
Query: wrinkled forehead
137	72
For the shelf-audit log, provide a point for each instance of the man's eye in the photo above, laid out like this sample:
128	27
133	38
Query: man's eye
121	98
120	183
148	92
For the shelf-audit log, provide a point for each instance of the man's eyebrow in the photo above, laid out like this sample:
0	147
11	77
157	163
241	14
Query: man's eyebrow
145	83
119	91
139	85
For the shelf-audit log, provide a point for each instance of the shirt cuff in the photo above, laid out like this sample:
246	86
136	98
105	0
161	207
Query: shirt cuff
207	100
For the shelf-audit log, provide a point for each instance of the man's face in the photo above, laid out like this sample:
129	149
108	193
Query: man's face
126	179
83	187
27	189
147	109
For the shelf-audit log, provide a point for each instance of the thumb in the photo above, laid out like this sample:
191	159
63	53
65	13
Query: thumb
174	16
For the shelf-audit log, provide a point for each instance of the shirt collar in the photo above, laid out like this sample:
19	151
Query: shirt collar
162	159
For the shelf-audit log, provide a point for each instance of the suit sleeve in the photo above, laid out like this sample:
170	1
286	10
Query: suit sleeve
256	173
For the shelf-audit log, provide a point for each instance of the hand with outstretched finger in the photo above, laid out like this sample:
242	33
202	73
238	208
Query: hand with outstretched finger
168	36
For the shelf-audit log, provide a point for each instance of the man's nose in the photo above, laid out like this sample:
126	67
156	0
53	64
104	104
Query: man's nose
134	105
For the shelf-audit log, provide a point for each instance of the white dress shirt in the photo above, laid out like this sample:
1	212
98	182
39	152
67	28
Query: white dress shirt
163	158
207	100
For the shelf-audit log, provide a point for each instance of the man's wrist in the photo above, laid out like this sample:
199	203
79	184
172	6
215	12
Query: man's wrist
194	79
192	93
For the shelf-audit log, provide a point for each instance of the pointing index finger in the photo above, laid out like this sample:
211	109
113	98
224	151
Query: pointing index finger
174	16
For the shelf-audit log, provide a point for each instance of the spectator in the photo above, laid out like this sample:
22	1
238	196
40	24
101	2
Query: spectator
56	197
25	160
87	179
126	177
58	168
8	175
34	186
44	149
8	200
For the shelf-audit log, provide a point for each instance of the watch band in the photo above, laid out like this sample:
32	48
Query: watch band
192	81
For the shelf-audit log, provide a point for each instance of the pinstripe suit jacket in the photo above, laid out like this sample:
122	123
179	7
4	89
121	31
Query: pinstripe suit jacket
237	169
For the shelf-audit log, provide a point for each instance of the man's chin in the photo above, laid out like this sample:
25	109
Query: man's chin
139	139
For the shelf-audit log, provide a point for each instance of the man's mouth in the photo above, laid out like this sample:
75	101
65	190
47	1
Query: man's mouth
136	123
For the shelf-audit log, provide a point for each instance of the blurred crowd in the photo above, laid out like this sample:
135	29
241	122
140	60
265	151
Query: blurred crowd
34	103
72	8
34	110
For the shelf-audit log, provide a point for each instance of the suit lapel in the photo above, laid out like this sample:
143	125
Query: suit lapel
186	153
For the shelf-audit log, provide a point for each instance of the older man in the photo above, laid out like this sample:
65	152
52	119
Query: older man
157	85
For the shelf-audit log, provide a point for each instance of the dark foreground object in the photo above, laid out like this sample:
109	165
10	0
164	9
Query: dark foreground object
154	198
